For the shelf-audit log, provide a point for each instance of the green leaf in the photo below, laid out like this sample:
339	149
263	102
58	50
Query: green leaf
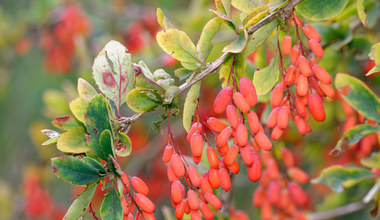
361	12
126	145
106	143
113	72
50	141
336	176
66	122
208	33
264	79
245	5
239	44
177	44
140	102
254	12
259	37
85	89
318	10
163	20
145	79
227	19
223	6
182	73
375	69
373	161
358	132
190	105
73	141
375	53
225	74
111	208
79	206
97	120
75	171
359	96
170	94
78	107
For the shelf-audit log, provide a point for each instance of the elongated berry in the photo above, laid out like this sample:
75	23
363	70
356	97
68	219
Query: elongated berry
176	191
231	155
277	133
316	48
234	168
125	180
144	203
241	135
298	175
263	141
283	115
321	74
290	75
214	178
298	20
274	192
192	200
148	216
195	128
327	89
168	153
180	209
213	200
225	180
277	95
259	197
223	98
232	116
223	137
286	45
170	173
240	102
273	117
304	66
287	157
248	90
300	107
246	153
139	185
273	169
302	86
193	176
197	160
253	122
311	33
205	184
316	107
215	124
254	171
206	211
297	194
196	144
177	165
212	157
295	53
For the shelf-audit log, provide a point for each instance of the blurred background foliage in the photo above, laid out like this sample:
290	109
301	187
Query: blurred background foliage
45	45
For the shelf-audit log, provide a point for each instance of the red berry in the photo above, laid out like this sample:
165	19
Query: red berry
139	185
214	178
180	209
240	102
316	48
316	107
231	155
192	200
223	98
144	203
300	107
277	95
196	144
223	137
195	128
216	124
253	122
168	153
176	191
242	135
206	211
298	175
290	75
277	133
311	33
302	85
327	89
194	176
212	157
287	157
273	117
232	116
263	141
304	66
225	179
286	45
246	153
321	74
213	201
295	53
177	165
283	115
248	90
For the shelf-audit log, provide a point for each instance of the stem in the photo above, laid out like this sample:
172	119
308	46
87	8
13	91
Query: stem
347	209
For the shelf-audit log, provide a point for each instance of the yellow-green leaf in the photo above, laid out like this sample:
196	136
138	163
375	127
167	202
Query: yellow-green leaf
163	20
361	12
208	33
73	141
259	37
140	102
79	206
190	105
85	89
126	145
256	18
78	107
264	79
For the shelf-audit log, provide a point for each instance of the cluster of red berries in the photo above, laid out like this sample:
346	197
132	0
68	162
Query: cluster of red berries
311	81
277	196
135	200
58	44
38	201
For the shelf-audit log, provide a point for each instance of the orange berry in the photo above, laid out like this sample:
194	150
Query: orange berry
180	209
213	200
216	124
297	194
304	66
168	153
232	116
277	95
259	196
248	90
246	153
223	137
194	176
205	184
192	200
321	74
225	179
212	157
125	180
196	144
231	155
316	107
273	117
274	192
176	191
316	48
297	20
148	216
177	165
286	45
194	214
311	33
240	102
298	175
287	157
263	141
234	168
253	122
195	128
206	211
242	135
277	133
327	89
139	185
223	98
295	53
214	178
302	86
273	169
144	203
290	75
300	107
283	115
170	173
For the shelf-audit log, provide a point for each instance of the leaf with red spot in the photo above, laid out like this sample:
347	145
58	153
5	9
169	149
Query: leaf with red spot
113	72
66	122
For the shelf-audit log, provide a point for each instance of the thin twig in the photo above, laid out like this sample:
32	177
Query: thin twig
347	209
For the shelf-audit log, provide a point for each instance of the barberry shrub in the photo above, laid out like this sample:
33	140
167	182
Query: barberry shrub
236	134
